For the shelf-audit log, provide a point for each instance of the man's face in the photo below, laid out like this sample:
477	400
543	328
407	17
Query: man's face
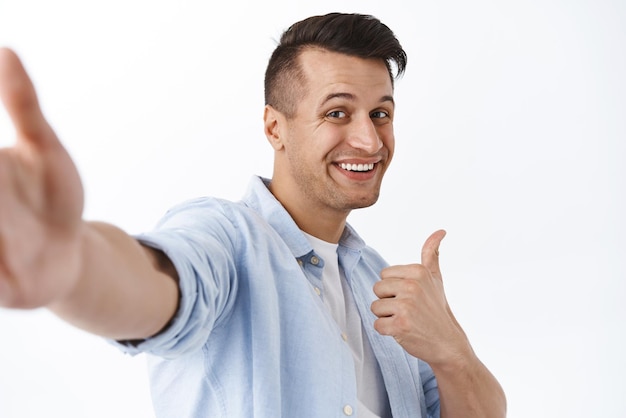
335	150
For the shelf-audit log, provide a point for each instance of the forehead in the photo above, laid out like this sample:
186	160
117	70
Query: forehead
327	72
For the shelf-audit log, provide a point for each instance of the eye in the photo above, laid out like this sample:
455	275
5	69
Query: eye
379	114
336	114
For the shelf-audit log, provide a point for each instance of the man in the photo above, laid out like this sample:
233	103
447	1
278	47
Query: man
272	306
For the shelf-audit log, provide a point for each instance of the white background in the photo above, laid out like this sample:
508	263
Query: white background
511	128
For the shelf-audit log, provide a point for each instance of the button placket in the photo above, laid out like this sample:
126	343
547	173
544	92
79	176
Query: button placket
311	266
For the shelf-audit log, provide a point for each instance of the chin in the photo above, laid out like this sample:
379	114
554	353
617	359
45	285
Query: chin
363	202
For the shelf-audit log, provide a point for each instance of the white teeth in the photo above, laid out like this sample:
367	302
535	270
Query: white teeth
357	167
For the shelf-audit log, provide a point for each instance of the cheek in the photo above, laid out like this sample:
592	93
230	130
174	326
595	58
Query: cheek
328	141
389	141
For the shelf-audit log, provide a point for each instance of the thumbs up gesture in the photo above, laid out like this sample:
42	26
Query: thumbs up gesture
412	308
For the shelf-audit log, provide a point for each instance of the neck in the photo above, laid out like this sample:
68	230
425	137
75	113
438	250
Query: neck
324	223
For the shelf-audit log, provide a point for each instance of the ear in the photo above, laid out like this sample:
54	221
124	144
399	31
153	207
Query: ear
273	121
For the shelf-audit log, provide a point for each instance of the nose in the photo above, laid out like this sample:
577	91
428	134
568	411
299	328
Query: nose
364	135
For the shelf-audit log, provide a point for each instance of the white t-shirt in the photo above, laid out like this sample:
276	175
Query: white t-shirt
337	296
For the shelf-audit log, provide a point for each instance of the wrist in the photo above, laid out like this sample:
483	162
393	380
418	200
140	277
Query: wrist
456	358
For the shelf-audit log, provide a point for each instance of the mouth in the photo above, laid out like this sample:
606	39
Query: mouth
361	168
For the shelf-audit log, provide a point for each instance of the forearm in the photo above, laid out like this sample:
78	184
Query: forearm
124	290
468	389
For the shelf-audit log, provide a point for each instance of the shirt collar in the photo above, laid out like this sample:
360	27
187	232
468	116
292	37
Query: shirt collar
259	198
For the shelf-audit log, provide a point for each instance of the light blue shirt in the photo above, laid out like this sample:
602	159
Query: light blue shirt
252	337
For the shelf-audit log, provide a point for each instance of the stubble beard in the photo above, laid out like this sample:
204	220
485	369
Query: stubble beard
322	191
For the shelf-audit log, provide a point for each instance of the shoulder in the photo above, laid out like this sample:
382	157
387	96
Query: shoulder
203	210
206	223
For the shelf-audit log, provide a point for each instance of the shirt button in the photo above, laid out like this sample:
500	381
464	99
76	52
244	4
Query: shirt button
318	291
344	336
315	261
300	263
347	410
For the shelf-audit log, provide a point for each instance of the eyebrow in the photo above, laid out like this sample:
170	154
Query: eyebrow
350	96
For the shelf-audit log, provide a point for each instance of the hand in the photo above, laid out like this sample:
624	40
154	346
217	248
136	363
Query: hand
41	201
413	308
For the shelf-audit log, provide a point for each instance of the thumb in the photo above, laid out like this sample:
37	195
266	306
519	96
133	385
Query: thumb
20	100
430	253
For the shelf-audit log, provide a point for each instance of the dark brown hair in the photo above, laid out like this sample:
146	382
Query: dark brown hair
357	35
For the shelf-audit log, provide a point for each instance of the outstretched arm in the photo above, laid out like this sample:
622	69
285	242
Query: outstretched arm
93	275
413	309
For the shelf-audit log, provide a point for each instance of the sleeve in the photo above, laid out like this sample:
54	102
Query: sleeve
431	390
200	241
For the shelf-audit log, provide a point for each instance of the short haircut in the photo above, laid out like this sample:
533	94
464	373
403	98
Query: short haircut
353	34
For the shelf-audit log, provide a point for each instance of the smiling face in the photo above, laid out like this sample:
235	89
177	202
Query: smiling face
332	153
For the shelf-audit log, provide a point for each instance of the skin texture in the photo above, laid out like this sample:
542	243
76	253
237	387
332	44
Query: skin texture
100	279
346	117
